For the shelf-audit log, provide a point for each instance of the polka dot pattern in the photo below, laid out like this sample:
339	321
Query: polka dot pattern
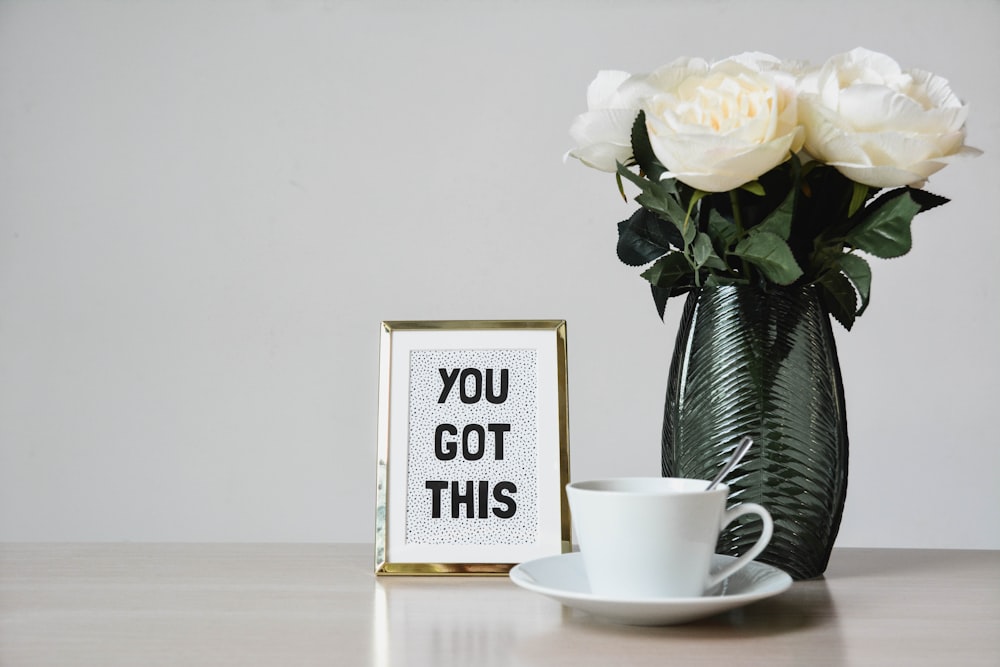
516	462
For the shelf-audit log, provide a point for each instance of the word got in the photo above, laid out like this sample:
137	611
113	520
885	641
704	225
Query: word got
474	496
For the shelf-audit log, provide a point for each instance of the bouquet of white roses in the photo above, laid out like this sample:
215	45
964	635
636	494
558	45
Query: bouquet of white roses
756	171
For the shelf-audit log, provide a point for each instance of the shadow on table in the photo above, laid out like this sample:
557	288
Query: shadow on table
851	563
807	605
793	624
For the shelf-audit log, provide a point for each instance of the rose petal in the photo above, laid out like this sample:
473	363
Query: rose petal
720	169
604	157
603	88
605	125
603	137
878	124
870	108
884	176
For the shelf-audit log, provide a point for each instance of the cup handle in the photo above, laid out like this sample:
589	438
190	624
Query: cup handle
765	537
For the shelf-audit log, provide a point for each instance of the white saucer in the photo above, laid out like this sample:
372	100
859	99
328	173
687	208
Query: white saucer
563	578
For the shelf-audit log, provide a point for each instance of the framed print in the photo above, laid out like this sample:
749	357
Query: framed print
473	446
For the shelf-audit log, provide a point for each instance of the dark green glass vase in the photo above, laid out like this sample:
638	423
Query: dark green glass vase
763	364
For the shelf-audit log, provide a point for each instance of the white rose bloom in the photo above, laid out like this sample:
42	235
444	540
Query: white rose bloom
603	134
716	127
878	125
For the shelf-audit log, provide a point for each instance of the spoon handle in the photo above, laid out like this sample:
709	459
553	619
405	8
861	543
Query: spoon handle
741	450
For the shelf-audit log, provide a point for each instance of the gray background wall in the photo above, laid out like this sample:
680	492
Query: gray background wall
206	209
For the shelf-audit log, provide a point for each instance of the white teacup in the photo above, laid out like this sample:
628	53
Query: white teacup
654	537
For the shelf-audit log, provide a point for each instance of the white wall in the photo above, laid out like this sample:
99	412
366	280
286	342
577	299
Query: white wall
206	209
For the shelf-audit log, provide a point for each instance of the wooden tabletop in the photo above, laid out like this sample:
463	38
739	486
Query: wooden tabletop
280	604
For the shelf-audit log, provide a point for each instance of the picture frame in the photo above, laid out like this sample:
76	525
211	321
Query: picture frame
473	446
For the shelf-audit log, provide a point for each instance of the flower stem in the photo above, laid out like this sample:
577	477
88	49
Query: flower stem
734	201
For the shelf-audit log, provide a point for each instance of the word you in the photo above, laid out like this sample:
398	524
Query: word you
472	442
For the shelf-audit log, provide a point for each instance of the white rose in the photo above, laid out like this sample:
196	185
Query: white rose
716	127
603	134
878	125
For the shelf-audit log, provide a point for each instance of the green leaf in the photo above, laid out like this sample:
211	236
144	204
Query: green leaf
701	249
660	196
664	201
704	254
722	231
771	254
839	297
645	237
640	181
858	198
859	273
884	231
715	262
715	280
696	197
927	200
779	221
642	150
669	271
621	186
660	296
753	187
688	229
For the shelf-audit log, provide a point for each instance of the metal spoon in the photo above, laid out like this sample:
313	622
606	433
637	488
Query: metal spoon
741	449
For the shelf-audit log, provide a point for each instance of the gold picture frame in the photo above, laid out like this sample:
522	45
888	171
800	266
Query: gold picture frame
473	446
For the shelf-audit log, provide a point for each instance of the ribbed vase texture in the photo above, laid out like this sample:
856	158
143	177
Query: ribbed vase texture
763	364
